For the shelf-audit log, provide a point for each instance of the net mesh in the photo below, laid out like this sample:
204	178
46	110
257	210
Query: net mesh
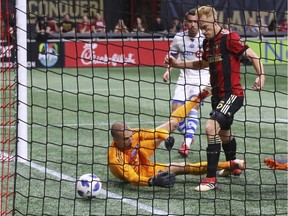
86	72
8	108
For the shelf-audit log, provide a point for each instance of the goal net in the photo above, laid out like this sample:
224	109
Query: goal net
70	69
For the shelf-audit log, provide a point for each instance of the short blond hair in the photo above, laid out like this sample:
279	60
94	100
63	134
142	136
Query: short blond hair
209	11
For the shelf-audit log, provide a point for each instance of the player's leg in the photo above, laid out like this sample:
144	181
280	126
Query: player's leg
201	167
188	168
213	154
177	101
186	125
221	119
189	126
229	147
192	120
232	164
229	144
178	115
175	105
190	129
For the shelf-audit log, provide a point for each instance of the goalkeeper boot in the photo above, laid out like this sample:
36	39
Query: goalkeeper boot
236	167
280	164
207	184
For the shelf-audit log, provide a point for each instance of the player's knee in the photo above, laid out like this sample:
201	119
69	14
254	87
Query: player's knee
226	138
225	121
173	124
211	127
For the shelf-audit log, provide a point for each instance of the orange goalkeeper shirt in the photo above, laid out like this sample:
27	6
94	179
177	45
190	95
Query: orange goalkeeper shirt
134	165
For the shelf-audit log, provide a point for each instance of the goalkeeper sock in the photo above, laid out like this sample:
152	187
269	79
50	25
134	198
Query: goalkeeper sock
230	149
191	126
180	113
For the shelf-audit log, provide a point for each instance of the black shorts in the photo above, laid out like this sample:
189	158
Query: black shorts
224	109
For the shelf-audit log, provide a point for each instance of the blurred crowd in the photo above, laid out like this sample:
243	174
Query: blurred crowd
260	26
45	25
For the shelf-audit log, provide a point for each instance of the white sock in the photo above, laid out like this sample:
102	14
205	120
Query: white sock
191	126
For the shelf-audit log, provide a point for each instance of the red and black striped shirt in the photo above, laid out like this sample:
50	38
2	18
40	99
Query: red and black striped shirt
223	53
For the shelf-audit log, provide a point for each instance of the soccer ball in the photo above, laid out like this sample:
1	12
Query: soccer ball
88	186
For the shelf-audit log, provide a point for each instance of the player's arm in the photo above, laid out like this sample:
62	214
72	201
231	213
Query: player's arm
151	134
169	69
258	66
127	173
131	176
157	134
167	73
196	65
122	170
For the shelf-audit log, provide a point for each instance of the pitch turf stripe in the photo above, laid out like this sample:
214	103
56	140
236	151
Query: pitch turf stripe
61	176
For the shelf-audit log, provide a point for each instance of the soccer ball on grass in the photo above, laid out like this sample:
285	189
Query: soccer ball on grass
88	186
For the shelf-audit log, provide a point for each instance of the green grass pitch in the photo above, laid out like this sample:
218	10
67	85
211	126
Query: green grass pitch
70	111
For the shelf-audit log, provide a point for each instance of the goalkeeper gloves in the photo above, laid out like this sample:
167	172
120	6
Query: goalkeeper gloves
164	180
169	142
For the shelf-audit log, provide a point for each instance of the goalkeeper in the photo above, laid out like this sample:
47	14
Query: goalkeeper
131	149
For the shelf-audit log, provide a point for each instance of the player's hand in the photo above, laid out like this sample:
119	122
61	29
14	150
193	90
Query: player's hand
164	179
259	82
170	60
166	75
169	142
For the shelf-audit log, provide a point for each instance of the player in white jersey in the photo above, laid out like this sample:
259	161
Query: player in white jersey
187	46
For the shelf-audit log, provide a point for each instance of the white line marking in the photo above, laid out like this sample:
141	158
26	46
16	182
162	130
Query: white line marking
105	193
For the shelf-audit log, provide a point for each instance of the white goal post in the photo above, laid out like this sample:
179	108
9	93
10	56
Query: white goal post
22	124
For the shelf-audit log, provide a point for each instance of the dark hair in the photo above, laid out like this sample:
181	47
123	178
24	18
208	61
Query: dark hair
190	12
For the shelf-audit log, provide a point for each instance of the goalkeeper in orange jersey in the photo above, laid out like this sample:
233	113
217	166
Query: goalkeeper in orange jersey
277	163
131	149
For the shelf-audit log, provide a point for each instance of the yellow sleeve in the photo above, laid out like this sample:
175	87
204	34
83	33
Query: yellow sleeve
131	176
122	170
151	134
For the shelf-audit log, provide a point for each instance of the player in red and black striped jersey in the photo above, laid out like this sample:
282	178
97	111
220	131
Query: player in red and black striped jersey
222	53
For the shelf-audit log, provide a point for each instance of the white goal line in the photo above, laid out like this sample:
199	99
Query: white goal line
105	193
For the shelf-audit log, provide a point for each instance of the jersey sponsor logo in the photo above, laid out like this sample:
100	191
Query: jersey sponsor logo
216	46
215	58
89	57
188	53
192	45
199	53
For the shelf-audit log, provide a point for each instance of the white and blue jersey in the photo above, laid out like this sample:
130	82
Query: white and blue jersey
190	82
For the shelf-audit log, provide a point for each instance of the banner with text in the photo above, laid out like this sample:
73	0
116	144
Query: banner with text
115	53
270	51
